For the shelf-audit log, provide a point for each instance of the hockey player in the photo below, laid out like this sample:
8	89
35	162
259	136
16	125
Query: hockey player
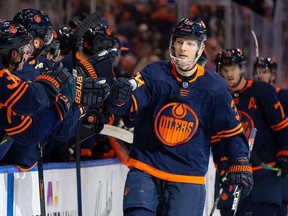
27	131
265	69
15	48
181	107
258	107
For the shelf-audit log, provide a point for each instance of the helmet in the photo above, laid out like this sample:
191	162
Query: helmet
13	36
194	30
63	35
99	38
230	57
37	24
52	48
188	29
268	62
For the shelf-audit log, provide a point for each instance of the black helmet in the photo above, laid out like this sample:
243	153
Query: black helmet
268	62
53	48
13	36
99	38
190	29
37	24
230	57
63	35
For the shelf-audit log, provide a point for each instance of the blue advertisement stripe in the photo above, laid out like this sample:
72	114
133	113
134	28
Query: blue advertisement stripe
10	193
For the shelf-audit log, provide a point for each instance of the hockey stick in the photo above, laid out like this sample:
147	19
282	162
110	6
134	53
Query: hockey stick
118	133
41	179
87	23
238	189
256	50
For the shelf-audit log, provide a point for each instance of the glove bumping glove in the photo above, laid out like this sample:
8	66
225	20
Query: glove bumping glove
55	79
121	91
91	92
240	174
282	161
99	65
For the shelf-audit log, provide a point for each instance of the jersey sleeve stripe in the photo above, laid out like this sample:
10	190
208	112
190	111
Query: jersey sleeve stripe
280	125
232	134
134	107
21	127
14	98
230	131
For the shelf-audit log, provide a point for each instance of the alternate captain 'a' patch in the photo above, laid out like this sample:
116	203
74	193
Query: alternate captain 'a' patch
175	124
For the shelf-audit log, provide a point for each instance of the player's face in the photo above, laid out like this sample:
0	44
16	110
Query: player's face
232	74
185	49
265	75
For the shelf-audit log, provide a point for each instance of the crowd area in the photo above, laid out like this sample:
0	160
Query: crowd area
170	83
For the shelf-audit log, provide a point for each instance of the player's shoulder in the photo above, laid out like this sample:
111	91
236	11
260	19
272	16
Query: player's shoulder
263	88
213	82
157	70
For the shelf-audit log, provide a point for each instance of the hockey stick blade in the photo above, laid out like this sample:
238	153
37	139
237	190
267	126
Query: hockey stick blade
118	133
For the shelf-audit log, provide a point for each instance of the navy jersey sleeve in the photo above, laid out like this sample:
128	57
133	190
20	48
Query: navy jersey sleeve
21	97
29	130
273	113
69	126
228	136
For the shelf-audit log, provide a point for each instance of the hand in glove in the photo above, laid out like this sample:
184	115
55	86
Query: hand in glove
240	174
55	79
282	162
121	91
99	65
91	92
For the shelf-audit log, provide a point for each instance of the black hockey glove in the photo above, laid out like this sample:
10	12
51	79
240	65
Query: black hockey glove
93	121
121	91
240	174
99	65
91	92
55	79
282	162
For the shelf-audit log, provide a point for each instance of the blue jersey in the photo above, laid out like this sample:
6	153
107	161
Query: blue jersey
177	119
258	106
283	98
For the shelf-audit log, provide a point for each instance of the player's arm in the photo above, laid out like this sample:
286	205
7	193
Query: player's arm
125	98
229	133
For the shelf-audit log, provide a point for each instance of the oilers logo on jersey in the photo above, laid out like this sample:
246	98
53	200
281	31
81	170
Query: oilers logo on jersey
175	124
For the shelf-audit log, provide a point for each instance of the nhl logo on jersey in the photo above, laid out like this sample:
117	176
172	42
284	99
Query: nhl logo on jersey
175	124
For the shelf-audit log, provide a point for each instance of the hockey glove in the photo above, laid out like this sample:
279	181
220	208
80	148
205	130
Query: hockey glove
99	65
55	79
240	174
69	91
93	121
91	92
282	162
121	91
62	106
